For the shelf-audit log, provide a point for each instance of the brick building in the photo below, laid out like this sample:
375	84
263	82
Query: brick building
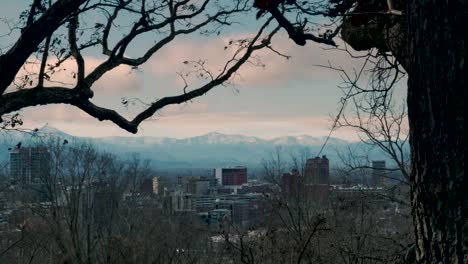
232	176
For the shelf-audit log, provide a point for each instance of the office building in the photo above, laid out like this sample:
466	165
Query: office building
317	171
157	185
379	172
290	182
180	201
29	165
196	185
232	176
146	186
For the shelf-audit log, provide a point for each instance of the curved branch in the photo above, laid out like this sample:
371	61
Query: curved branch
74	51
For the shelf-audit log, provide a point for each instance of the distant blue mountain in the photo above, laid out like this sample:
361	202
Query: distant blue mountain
206	151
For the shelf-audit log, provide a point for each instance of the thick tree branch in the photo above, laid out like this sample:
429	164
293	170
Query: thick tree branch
43	62
31	37
107	29
74	51
20	99
35	6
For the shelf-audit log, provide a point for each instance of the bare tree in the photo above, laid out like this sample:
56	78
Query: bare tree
296	215
436	68
384	128
136	171
352	224
75	209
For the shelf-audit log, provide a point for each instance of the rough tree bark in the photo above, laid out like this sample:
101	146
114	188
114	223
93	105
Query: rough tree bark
436	45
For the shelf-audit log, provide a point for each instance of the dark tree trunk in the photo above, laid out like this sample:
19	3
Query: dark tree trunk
436	38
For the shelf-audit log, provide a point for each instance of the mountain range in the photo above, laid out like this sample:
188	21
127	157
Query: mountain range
206	151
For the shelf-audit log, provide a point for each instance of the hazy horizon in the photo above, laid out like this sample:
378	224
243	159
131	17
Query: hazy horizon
129	135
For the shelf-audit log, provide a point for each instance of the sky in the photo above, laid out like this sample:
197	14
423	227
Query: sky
286	97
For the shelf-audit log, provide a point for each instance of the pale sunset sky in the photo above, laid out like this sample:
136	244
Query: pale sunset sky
286	97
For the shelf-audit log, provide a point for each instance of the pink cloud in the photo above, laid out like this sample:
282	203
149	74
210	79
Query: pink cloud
185	108
121	80
57	112
277	71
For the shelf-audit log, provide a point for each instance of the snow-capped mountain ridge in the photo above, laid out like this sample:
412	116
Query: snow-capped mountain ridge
211	138
209	150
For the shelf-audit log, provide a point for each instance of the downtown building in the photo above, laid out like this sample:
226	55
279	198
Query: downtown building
200	185
231	177
240	209
29	165
317	178
317	171
379	173
290	182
